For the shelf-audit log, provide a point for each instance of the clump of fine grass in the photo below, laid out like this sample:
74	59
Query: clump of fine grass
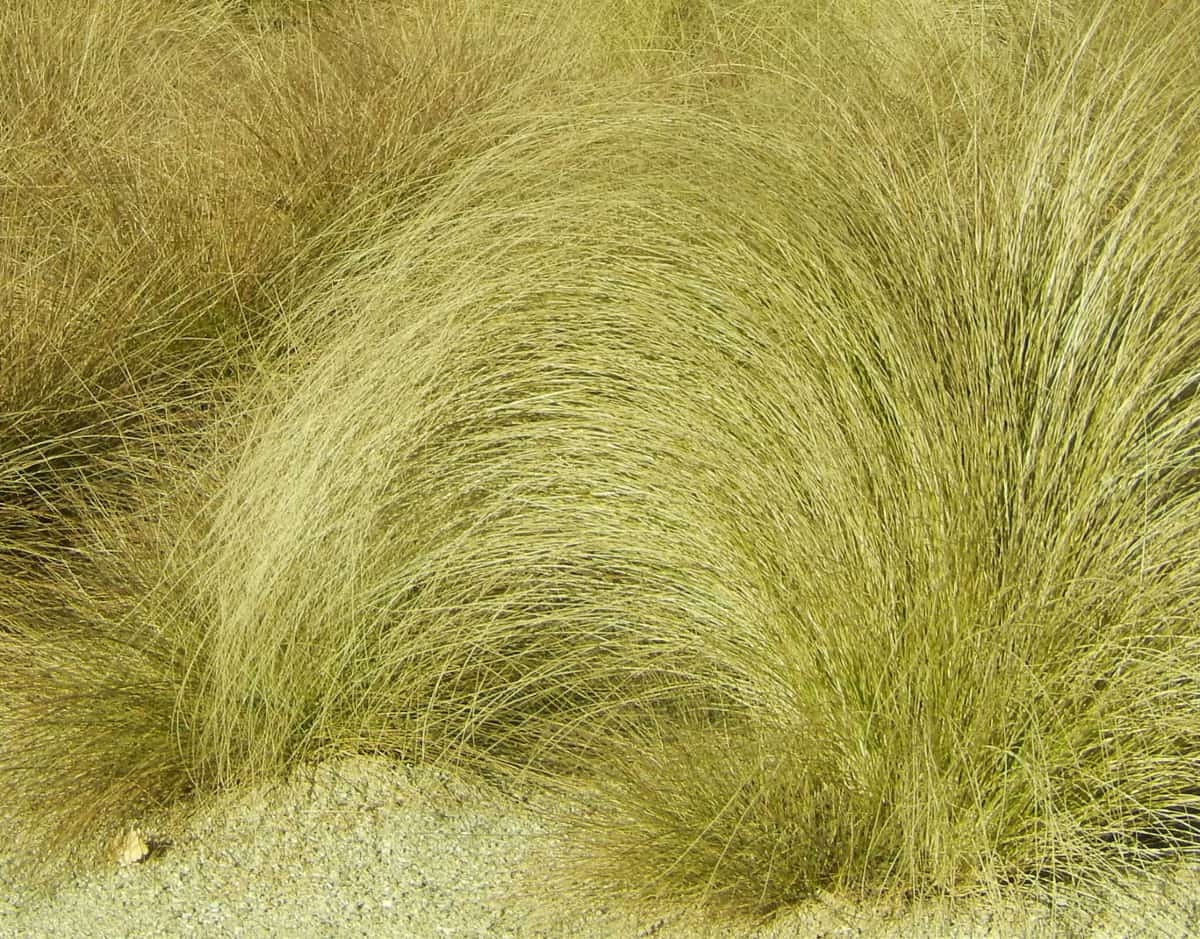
175	178
810	483
824	500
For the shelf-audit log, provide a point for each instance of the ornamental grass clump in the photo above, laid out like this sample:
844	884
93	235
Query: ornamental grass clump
821	504
175	178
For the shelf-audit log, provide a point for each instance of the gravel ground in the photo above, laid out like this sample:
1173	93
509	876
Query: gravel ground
365	848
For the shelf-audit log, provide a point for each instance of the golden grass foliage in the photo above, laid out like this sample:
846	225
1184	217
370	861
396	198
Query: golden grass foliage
777	428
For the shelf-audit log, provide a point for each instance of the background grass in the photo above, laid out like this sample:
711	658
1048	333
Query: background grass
774	427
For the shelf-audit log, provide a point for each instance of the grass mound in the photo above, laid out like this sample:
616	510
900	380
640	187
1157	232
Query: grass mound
808	480
176	178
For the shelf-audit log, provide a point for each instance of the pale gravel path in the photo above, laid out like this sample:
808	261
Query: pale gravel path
370	849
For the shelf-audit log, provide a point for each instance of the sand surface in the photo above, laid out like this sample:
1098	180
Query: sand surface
368	848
